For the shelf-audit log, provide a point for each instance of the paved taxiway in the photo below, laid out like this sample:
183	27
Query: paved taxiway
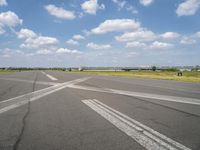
51	110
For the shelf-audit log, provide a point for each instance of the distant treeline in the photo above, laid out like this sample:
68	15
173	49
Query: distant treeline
27	69
153	68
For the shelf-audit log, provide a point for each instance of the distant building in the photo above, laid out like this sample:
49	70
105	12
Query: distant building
185	69
81	68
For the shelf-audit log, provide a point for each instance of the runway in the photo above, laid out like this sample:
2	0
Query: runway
54	110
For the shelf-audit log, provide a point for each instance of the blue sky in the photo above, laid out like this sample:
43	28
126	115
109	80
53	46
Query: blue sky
65	33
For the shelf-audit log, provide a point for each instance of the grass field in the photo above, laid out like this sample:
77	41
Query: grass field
6	71
163	75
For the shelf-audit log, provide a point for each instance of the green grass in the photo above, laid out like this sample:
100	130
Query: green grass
6	71
163	75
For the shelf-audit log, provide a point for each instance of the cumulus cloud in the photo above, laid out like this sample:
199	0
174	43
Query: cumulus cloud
116	25
135	44
188	8
72	42
3	3
60	12
160	45
91	6
66	50
48	51
32	40
9	53
9	19
78	37
146	2
40	41
98	46
170	35
140	35
187	40
26	33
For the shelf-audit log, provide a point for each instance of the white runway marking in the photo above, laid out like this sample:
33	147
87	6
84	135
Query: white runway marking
145	136
24	99
49	76
140	94
29	81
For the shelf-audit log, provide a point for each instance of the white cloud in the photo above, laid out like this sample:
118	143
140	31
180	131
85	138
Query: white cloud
116	25
146	2
141	35
66	50
9	19
197	34
26	33
32	40
59	12
188	8
40	41
78	37
160	45
72	42
170	35
75	39
8	53
97	46
187	40
55	50
135	44
3	3
91	6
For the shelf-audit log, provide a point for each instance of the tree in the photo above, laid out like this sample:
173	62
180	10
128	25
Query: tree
154	68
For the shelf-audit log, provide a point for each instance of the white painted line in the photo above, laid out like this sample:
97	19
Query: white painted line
145	136
184	100
49	76
29	81
24	99
155	85
13	106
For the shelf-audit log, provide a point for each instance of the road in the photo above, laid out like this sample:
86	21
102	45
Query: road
51	110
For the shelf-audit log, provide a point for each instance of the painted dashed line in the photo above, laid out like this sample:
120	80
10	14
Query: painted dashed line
29	81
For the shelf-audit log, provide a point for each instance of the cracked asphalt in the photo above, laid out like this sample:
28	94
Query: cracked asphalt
60	121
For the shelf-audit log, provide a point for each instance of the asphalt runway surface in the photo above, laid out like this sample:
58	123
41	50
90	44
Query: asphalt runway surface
52	110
